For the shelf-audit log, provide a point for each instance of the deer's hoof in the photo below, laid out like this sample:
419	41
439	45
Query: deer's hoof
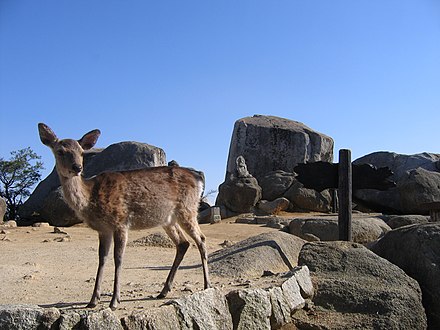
161	295
91	305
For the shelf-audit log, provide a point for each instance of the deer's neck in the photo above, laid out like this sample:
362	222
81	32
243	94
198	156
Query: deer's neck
76	192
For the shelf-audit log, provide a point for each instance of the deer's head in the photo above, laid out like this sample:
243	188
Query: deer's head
68	152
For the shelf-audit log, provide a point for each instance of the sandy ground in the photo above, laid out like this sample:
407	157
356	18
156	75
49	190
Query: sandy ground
38	266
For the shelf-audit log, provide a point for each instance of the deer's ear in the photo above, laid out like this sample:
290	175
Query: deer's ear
47	136
89	139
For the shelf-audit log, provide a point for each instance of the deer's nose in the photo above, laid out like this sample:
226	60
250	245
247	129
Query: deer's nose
76	168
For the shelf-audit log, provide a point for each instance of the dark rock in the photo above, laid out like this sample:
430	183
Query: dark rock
239	195
308	199
358	289
412	188
397	221
271	143
125	156
56	211
46	202
275	251
419	187
275	184
415	249
364	229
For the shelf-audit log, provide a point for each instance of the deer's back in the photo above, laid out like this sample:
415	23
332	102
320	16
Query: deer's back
143	198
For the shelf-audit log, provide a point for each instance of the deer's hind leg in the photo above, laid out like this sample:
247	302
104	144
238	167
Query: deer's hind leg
178	237
105	241
190	225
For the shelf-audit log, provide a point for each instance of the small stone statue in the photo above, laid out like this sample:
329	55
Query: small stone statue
242	171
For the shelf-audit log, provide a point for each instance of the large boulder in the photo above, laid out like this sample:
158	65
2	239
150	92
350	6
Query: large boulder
275	184
2	209
206	309
357	289
281	184
309	199
239	195
271	143
419	187
365	229
397	221
415	249
46	202
417	177
274	251
22	317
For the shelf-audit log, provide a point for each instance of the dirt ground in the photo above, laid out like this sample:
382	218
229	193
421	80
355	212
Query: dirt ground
38	266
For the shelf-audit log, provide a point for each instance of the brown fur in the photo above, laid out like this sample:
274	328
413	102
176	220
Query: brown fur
111	203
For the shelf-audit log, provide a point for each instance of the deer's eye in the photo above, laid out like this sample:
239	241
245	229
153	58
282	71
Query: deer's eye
60	153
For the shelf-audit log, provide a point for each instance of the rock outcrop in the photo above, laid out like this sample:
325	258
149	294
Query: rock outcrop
271	143
23	317
357	289
415	249
417	178
46	202
240	192
263	154
210	309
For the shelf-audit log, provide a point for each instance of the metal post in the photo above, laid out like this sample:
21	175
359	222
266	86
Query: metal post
345	195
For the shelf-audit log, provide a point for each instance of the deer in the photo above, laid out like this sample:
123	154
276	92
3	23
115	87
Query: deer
111	203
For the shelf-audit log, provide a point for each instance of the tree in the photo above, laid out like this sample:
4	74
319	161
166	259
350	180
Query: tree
17	176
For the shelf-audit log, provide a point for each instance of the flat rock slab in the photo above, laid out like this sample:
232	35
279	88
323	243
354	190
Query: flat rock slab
275	252
365	229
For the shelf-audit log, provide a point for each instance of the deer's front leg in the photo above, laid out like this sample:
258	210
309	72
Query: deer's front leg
120	240
105	240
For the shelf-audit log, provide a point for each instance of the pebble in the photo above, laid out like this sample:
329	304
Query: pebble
226	243
57	230
40	224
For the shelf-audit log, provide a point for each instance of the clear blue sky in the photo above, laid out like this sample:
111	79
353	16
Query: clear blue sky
178	74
